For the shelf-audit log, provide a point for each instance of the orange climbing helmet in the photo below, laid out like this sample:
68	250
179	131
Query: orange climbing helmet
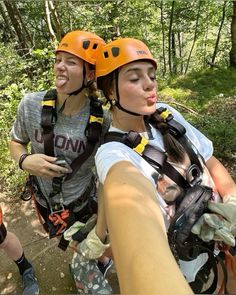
82	44
119	53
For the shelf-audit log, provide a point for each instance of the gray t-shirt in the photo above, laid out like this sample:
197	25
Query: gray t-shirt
69	141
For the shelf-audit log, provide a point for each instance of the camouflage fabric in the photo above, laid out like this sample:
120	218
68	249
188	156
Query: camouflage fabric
87	276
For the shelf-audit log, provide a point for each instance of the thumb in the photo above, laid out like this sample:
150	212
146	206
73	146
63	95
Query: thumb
225	210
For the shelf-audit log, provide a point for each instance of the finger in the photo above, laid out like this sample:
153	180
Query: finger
48	158
49	174
213	220
196	229
207	233
57	168
225	236
219	208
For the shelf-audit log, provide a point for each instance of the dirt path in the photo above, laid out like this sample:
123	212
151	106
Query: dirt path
51	264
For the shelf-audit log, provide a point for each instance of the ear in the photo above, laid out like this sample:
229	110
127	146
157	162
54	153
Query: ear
112	95
90	75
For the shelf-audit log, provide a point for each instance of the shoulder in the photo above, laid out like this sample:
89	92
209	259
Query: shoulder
34	96
32	99
109	154
197	138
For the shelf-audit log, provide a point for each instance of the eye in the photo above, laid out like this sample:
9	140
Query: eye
57	60
134	79
153	77
71	62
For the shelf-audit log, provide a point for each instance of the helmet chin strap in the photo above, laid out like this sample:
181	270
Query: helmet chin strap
83	84
117	102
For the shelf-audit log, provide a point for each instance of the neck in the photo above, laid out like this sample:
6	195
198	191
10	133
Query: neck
73	103
127	122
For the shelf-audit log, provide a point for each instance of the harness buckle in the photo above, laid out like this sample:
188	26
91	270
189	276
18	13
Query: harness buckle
57	208
193	175
59	221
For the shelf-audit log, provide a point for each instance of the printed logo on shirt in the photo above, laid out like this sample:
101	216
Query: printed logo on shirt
62	142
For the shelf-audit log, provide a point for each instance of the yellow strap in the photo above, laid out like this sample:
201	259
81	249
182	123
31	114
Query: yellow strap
49	103
165	114
95	119
141	147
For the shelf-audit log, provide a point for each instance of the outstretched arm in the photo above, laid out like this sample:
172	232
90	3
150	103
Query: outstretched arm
144	262
225	185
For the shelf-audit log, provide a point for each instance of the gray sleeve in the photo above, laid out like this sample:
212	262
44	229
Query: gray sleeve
19	130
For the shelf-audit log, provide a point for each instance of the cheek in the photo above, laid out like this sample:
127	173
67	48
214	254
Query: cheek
128	91
77	74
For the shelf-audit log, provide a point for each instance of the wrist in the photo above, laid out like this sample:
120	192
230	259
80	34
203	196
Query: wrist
21	160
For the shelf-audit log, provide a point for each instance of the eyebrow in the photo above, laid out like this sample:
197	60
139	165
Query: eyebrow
139	69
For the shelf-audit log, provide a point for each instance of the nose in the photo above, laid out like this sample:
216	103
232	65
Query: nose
60	65
149	83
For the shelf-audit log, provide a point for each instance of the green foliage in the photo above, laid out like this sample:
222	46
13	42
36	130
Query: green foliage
19	76
203	90
212	93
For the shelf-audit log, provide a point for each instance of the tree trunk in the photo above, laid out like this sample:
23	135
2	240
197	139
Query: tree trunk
180	52
170	36
163	39
17	25
56	20
3	13
48	20
173	51
219	34
232	54
194	38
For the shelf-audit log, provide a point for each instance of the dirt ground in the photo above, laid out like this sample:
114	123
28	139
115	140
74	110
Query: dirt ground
51	263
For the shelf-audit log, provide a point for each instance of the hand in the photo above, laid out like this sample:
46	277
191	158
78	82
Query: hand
220	225
43	166
92	247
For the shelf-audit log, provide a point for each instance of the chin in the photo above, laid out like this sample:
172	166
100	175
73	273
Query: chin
149	110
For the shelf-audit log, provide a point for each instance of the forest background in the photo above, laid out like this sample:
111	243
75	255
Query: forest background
194	43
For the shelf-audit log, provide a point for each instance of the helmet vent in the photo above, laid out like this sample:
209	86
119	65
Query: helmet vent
86	44
106	55
115	51
95	45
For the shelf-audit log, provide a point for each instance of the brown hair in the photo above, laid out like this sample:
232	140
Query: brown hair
92	90
105	83
173	148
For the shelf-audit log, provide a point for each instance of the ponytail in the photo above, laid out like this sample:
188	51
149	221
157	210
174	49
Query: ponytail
174	149
92	91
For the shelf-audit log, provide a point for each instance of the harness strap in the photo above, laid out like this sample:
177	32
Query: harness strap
93	132
48	120
155	157
179	132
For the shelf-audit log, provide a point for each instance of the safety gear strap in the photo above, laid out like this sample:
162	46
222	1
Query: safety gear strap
92	131
117	102
156	158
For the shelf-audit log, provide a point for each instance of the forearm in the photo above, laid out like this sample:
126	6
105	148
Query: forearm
101	226
221	177
17	149
138	235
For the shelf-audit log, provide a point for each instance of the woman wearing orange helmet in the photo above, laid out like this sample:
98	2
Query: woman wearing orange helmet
152	159
63	127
